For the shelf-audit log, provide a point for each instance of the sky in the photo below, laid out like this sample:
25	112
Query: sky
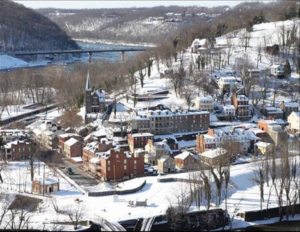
119	4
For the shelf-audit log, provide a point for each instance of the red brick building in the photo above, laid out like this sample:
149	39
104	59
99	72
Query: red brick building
241	104
73	148
116	164
64	137
18	150
187	161
139	140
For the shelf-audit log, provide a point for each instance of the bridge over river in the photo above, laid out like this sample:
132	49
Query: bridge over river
79	51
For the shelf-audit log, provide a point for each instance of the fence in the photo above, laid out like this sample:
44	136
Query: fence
258	215
172	179
119	192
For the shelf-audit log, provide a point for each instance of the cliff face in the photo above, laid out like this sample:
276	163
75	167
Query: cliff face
23	29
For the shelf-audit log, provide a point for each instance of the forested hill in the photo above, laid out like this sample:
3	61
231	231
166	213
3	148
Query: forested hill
23	29
130	25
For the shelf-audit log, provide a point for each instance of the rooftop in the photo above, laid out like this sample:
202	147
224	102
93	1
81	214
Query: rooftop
185	154
70	142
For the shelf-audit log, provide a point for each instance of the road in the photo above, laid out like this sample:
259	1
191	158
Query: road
80	177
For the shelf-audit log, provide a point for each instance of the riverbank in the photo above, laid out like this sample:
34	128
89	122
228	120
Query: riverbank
109	42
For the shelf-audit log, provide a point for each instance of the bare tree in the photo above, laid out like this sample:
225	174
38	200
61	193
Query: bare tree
75	214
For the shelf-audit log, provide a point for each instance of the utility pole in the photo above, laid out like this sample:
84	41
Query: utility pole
44	181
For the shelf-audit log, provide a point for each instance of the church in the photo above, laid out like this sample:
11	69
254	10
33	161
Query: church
94	100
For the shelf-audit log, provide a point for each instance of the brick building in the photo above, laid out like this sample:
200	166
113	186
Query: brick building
139	140
241	104
64	137
160	122
116	164
187	161
18	150
73	148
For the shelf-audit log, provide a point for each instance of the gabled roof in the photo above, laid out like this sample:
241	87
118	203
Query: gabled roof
185	154
71	142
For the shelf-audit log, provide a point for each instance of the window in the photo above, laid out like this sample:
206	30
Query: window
135	162
108	169
125	167
125	161
108	162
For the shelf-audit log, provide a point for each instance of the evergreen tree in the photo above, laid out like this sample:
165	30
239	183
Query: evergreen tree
249	26
261	18
287	69
115	110
221	28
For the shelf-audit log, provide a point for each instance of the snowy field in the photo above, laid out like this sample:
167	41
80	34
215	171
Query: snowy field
243	195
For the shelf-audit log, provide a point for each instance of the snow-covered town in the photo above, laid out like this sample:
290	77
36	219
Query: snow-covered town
204	136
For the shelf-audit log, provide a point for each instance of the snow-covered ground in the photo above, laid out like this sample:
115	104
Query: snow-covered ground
243	194
9	62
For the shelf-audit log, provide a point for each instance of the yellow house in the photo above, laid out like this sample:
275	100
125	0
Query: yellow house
263	148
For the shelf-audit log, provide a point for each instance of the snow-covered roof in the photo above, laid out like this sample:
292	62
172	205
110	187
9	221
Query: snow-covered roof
277	66
242	98
185	154
229	107
228	79
213	118
94	160
213	153
164	158
256	131
262	144
91	147
207	98
47	181
101	95
291	104
142	135
9	144
273	110
70	142
66	135
199	42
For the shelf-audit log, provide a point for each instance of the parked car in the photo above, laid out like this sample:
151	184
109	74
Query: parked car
69	171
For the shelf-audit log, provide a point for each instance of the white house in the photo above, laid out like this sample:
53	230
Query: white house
198	43
204	103
229	111
294	122
227	83
277	70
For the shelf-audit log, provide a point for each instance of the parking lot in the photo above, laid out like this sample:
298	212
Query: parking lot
79	176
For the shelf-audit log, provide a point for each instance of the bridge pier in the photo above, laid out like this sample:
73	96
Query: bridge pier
57	55
122	56
90	57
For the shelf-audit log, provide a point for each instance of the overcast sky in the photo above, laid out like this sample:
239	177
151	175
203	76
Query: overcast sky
118	4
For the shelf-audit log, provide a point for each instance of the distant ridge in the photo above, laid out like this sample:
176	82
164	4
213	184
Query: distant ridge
23	29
